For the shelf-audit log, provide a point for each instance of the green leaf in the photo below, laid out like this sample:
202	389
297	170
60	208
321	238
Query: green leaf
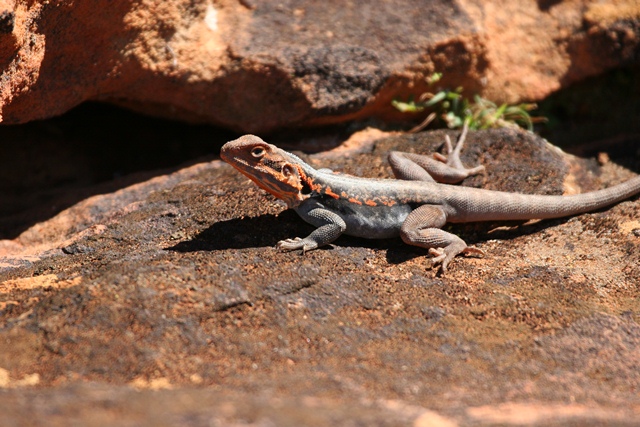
435	99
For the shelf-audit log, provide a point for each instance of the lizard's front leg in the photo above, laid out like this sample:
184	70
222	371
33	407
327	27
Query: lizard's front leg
330	227
446	170
422	228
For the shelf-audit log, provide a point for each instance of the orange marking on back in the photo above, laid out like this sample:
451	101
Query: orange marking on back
330	192
370	203
314	187
354	200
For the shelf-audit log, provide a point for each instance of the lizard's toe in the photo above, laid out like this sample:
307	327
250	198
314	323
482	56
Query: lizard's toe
473	250
289	244
441	257
438	254
295	243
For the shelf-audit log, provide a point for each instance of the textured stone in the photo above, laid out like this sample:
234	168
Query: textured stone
165	301
262	66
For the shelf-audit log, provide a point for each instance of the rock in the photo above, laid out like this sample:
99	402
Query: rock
262	66
166	301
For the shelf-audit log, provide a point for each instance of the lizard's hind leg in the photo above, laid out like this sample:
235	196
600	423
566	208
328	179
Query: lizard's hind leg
422	228
444	169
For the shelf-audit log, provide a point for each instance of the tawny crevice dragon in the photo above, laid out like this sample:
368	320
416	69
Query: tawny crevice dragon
415	206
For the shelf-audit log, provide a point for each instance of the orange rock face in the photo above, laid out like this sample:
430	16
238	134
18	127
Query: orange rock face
261	66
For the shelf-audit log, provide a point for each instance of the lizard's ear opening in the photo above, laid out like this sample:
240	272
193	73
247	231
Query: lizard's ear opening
288	171
291	175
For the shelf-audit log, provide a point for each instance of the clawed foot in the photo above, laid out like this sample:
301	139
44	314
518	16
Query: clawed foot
452	158
296	243
443	258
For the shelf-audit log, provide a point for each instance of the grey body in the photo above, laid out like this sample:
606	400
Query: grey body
460	204
370	222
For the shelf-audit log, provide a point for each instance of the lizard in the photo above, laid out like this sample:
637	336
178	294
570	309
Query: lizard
415	205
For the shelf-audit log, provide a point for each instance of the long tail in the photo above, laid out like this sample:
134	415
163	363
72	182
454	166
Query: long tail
485	205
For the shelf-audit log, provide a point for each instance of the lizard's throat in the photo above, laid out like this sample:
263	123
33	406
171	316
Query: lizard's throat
291	196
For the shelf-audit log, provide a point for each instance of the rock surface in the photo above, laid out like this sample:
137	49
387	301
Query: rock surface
228	62
165	303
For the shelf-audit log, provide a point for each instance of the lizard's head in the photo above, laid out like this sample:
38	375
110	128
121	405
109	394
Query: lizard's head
271	168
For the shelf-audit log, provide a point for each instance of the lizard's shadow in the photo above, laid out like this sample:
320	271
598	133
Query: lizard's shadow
473	234
268	229
242	233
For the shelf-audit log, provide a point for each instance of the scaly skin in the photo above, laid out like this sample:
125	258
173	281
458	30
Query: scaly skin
414	207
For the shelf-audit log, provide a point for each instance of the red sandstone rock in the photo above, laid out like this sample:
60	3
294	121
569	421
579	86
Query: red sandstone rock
259	66
166	301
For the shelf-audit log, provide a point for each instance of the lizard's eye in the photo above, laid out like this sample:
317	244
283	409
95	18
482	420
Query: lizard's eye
257	152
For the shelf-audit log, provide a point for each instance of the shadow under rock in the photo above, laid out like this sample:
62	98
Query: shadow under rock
49	165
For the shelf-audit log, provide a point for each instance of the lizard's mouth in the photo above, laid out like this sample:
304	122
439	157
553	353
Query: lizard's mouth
270	183
236	162
228	156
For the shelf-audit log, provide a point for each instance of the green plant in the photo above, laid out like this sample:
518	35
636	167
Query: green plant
454	110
